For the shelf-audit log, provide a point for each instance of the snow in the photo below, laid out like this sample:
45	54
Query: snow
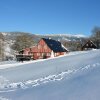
1	98
68	35
71	77
8	64
7	49
3	33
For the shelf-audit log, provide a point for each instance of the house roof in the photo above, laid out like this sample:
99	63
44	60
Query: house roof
90	44
54	45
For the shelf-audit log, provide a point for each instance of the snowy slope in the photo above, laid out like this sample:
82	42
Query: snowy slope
72	77
48	67
8	42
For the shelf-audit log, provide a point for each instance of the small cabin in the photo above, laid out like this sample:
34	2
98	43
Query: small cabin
89	45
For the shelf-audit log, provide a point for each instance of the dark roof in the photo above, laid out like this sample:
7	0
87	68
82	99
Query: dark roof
89	44
54	45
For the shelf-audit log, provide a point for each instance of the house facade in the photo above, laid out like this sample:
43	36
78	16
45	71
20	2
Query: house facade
46	48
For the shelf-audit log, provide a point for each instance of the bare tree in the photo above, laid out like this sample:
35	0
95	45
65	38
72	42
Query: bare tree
23	41
96	36
1	46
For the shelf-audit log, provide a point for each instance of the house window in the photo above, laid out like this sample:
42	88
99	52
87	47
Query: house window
30	53
85	48
48	54
38	54
86	44
57	53
42	54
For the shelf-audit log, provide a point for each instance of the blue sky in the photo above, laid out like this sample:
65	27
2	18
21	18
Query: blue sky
49	16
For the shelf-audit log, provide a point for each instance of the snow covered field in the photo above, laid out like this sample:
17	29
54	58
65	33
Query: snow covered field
72	77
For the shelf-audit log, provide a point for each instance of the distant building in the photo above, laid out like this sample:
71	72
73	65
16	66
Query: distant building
89	45
45	48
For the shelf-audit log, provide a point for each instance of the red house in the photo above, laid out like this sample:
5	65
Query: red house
45	49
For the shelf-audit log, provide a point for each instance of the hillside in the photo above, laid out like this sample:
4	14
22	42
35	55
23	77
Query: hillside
57	78
11	36
67	37
68	40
